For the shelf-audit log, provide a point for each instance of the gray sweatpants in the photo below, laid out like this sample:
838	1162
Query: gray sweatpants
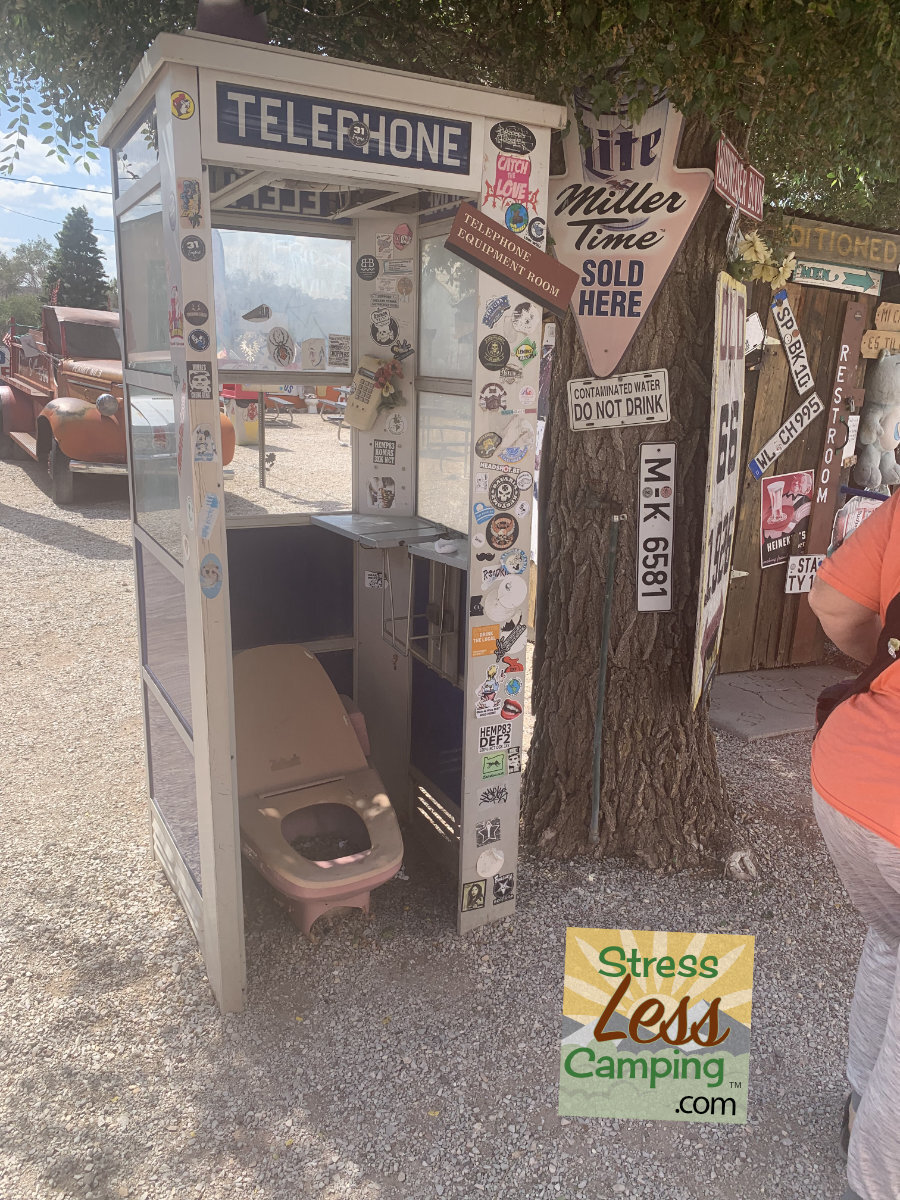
869	868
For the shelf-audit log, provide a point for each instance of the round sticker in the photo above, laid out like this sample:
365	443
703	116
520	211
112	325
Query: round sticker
492	397
196	312
493	353
281	346
526	350
210	576
367	267
182	106
402	236
198	339
501	531
503	492
395	423
515	561
193	248
514	687
517	218
358	135
513	138
489	862
524	481
487	444
404	286
537	228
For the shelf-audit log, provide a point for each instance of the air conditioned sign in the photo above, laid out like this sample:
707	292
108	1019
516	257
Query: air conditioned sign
618	218
312	125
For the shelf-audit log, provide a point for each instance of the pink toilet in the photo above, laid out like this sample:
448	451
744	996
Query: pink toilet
303	778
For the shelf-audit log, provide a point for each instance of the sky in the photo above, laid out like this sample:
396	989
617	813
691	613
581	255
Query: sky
32	209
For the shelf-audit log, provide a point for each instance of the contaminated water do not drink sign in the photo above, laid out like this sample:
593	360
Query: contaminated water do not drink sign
639	399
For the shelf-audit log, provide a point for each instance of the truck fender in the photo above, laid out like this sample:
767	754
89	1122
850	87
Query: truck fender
81	431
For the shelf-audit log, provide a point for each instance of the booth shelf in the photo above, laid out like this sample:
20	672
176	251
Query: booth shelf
376	533
458	557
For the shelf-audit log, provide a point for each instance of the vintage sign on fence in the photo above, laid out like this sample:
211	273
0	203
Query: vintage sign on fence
656	519
801	572
639	399
887	316
844	244
790	430
791	338
785	505
841	279
511	259
618	218
828	473
737	182
726	420
876	340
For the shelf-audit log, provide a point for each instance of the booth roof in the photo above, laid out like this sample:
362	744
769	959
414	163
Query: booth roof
276	64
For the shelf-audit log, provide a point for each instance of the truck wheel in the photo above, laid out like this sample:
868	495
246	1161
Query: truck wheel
62	481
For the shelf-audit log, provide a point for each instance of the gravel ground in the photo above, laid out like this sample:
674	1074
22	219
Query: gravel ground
391	1060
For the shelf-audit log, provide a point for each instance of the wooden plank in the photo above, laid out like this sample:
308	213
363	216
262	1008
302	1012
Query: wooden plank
810	307
823	345
809	640
844	244
743	593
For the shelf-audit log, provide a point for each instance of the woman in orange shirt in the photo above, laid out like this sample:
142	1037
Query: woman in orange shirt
856	796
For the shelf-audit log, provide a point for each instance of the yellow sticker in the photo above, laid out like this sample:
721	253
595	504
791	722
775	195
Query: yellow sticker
183	106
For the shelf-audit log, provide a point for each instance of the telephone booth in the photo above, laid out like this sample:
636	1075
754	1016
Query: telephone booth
331	428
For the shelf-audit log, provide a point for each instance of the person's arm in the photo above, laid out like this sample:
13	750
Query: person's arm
852	626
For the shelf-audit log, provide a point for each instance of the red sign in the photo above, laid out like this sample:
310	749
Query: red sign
491	247
738	182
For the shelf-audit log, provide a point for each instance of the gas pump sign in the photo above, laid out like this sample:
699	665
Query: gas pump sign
726	420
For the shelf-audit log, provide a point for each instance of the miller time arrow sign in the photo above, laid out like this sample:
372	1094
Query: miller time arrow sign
618	218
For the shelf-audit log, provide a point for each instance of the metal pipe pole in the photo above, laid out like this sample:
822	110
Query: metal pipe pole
614	522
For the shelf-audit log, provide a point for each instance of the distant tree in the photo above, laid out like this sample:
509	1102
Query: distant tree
24	308
31	260
77	265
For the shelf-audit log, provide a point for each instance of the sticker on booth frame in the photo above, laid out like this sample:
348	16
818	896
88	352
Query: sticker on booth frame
395	423
514	760
490	861
199	379
494	351
484	640
487	831
367	267
196	312
198	339
497	794
384	452
193	247
473	895
182	105
384	329
189	210
210	576
209	514
503	888
204	444
493	765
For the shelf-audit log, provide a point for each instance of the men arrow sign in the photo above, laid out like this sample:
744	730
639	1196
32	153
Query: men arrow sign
812	273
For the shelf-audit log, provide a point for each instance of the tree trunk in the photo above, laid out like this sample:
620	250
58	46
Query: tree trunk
662	799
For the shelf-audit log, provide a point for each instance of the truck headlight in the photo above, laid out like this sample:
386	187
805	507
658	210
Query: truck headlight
107	405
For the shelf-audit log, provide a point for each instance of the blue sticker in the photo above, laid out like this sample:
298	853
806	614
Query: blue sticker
210	576
208	514
517	218
483	512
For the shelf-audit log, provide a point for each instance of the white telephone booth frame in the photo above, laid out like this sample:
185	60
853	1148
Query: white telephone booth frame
217	101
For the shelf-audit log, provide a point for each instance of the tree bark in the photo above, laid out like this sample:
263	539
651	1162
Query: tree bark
662	801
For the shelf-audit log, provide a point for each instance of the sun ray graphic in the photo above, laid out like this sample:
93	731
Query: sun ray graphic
731	984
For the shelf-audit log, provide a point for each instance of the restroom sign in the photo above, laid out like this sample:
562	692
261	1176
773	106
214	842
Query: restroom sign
639	399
